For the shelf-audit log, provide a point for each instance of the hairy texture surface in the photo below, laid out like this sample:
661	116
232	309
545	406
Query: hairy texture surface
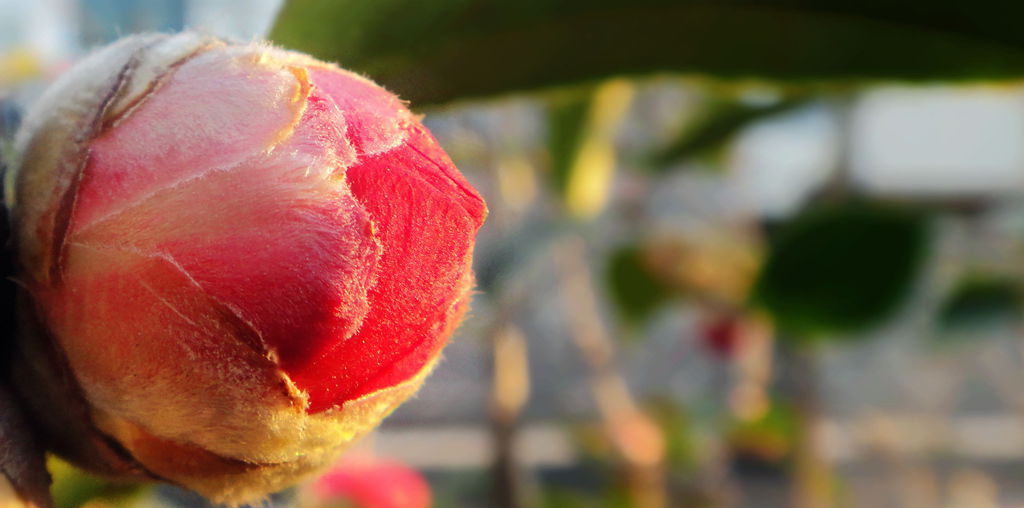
245	257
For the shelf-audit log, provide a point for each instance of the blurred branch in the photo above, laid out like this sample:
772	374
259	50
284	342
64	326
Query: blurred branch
510	392
636	437
813	479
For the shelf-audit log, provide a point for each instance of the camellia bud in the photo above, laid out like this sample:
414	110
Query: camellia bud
236	260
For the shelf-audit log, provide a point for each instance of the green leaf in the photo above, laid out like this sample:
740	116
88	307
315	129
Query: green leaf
73	488
567	116
981	302
636	292
716	125
442	50
840	269
581	139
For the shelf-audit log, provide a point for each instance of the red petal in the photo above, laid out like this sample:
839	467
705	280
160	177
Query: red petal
426	217
214	111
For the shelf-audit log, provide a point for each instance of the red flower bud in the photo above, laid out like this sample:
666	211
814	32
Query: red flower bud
238	260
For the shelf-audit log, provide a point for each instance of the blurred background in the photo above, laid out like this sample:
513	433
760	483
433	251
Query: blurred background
740	254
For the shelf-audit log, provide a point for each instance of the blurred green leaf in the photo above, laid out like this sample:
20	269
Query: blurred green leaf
840	269
581	141
567	116
636	292
678	427
564	498
769	438
716	125
72	488
980	302
442	50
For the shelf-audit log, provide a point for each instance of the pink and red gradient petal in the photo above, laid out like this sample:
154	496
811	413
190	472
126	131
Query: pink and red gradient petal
347	247
425	215
235	261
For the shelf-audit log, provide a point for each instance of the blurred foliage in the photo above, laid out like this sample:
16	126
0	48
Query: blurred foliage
636	291
591	441
564	498
840	268
716	264
715	125
768	439
712	266
443	50
567	115
73	488
980	302
678	427
581	134
600	481
613	496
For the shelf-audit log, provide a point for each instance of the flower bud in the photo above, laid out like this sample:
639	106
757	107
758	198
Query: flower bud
236	260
